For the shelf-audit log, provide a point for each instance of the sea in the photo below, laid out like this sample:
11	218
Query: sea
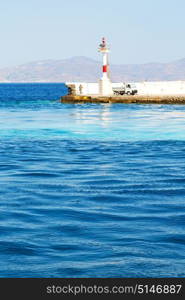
89	190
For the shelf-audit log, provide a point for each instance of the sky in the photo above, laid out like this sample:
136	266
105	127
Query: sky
138	31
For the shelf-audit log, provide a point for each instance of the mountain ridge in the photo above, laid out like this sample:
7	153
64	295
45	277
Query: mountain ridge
81	68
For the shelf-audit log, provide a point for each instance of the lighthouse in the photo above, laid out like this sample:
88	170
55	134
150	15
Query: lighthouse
105	85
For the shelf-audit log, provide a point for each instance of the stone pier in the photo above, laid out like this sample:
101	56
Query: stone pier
153	99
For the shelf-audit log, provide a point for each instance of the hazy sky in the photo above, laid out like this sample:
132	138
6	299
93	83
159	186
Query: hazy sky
138	31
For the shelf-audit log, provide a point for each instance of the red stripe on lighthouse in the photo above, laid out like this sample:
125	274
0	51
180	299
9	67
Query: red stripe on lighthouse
104	69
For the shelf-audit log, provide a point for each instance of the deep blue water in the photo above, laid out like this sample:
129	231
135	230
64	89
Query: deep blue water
90	190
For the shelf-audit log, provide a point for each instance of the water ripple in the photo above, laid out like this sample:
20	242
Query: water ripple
90	190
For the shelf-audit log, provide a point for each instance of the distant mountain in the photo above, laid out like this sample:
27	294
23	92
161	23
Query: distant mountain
89	70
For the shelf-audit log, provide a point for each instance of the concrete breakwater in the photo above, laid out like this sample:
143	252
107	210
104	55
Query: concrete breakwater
153	99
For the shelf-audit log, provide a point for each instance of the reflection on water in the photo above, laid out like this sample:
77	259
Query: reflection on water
91	121
90	116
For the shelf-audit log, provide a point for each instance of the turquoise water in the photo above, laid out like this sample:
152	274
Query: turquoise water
90	190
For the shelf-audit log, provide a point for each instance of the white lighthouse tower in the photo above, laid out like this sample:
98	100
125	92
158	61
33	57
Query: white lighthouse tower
105	86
